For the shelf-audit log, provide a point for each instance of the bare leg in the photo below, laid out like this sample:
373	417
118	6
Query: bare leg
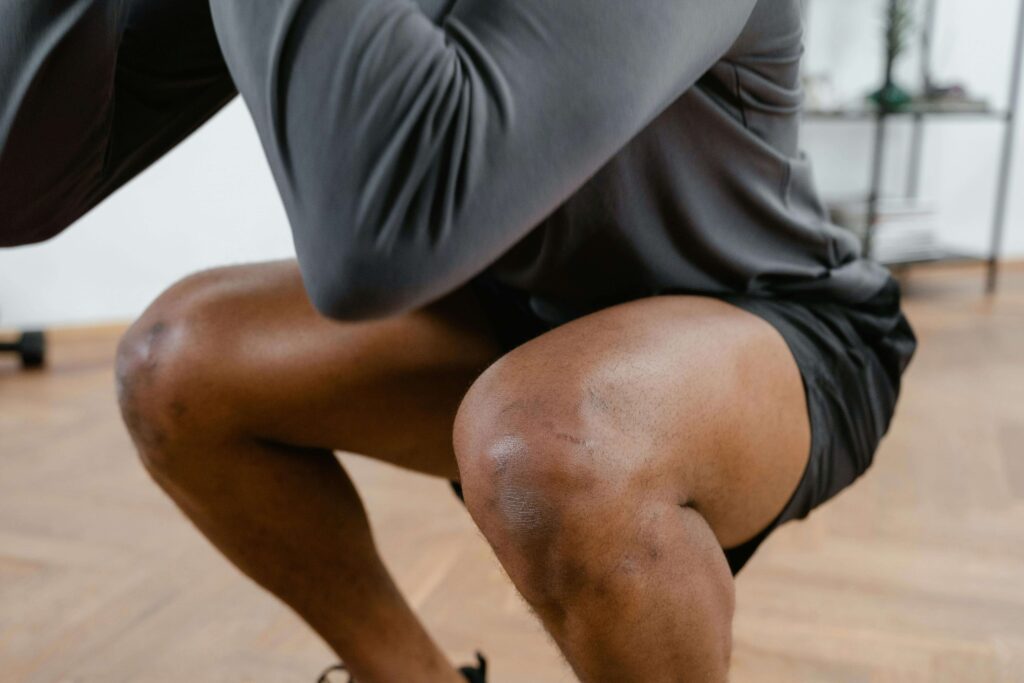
235	391
610	460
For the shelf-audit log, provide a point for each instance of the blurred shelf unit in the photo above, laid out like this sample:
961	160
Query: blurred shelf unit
905	231
896	230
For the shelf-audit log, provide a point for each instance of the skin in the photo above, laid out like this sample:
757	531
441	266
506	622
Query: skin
607	462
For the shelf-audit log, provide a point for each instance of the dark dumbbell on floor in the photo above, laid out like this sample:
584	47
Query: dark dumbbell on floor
31	346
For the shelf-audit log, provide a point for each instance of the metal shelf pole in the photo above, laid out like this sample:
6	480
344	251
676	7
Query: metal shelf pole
917	133
877	164
875	193
1006	163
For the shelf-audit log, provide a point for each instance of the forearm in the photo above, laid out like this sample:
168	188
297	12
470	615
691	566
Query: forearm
91	93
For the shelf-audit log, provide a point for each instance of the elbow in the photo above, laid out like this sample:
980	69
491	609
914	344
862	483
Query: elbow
350	304
358	290
363	265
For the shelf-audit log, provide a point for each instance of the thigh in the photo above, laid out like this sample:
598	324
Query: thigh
687	398
256	359
91	93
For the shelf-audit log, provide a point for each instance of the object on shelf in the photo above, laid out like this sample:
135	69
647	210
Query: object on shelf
899	24
951	106
904	231
891	97
952	98
820	92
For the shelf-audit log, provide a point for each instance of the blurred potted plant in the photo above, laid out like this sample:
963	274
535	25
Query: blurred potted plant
899	24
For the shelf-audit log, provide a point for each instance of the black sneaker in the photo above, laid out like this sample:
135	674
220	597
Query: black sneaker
478	673
325	677
473	674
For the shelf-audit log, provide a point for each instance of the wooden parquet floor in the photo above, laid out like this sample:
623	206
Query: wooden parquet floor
914	575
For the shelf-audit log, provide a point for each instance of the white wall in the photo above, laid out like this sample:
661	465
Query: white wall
212	201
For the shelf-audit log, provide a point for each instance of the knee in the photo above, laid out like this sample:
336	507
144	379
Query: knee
170	368
544	478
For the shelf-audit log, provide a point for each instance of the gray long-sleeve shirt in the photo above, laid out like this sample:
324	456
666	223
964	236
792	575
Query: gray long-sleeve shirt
588	151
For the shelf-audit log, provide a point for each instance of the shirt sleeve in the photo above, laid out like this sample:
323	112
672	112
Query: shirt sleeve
414	145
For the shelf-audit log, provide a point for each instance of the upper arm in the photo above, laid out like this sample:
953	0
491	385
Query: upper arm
412	152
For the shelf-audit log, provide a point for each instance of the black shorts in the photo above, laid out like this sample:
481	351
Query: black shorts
851	359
